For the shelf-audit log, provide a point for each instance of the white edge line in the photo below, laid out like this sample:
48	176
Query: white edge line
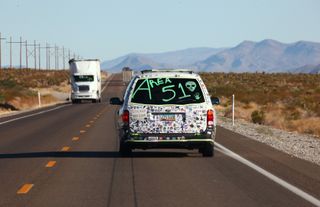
30	115
269	175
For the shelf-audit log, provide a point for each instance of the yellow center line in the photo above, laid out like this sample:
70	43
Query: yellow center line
75	138
25	188
82	131
51	163
64	149
88	125
91	122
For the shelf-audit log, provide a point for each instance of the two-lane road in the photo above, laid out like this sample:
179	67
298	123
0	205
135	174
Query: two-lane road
69	157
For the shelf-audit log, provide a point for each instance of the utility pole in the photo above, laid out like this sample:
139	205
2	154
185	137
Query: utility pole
49	55
55	57
10	52
39	53
26	42
20	42
58	56
1	51
63	59
47	47
20	52
33	53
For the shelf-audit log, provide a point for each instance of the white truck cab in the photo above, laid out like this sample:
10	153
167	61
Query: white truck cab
167	109
85	76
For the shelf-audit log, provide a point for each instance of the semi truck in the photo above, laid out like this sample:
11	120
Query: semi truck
85	78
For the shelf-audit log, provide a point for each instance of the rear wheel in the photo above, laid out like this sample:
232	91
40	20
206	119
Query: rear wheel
207	150
94	101
124	150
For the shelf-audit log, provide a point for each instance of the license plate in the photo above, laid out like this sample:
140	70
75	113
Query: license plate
167	117
153	138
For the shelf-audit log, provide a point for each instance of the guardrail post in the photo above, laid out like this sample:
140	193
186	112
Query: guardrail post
233	110
39	99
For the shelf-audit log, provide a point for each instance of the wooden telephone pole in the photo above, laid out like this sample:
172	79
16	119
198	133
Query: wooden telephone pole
20	42
1	50
33	53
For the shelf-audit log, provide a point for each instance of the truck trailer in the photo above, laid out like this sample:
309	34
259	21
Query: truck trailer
85	78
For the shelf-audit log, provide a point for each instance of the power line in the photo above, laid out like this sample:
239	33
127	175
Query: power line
35	52
48	53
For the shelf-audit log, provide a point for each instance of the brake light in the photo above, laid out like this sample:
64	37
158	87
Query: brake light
210	117
125	116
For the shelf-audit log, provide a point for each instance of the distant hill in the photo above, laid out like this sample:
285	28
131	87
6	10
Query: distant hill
267	55
134	61
312	69
172	59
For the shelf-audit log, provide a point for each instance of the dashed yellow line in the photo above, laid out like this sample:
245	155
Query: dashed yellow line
64	149
25	188
82	131
91	122
51	163
88	125
75	138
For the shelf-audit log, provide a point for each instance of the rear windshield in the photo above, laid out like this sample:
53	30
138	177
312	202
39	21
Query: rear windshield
83	78
167	91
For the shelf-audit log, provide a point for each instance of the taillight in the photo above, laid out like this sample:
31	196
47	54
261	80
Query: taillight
125	116
210	117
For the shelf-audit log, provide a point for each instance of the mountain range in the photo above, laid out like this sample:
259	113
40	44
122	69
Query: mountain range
267	55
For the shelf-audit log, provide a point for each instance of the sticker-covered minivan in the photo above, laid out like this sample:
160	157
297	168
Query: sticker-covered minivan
167	109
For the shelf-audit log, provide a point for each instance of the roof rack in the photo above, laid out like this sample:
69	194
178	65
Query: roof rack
167	70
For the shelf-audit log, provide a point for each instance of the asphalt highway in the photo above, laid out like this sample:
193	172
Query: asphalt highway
68	156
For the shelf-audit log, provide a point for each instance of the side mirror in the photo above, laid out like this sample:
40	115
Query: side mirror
115	101
215	101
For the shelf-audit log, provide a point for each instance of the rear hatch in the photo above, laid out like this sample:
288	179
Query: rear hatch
167	106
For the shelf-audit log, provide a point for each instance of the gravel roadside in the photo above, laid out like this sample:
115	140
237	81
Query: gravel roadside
303	146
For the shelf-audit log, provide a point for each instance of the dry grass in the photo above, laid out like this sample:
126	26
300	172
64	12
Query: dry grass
289	101
17	87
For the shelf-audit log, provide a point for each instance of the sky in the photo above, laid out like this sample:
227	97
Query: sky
107	29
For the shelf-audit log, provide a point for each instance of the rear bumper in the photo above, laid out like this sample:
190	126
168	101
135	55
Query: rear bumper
183	141
176	144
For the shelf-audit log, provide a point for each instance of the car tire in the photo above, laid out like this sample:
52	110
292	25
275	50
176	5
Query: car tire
124	150
207	150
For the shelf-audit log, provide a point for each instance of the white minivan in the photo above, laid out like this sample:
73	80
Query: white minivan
167	109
